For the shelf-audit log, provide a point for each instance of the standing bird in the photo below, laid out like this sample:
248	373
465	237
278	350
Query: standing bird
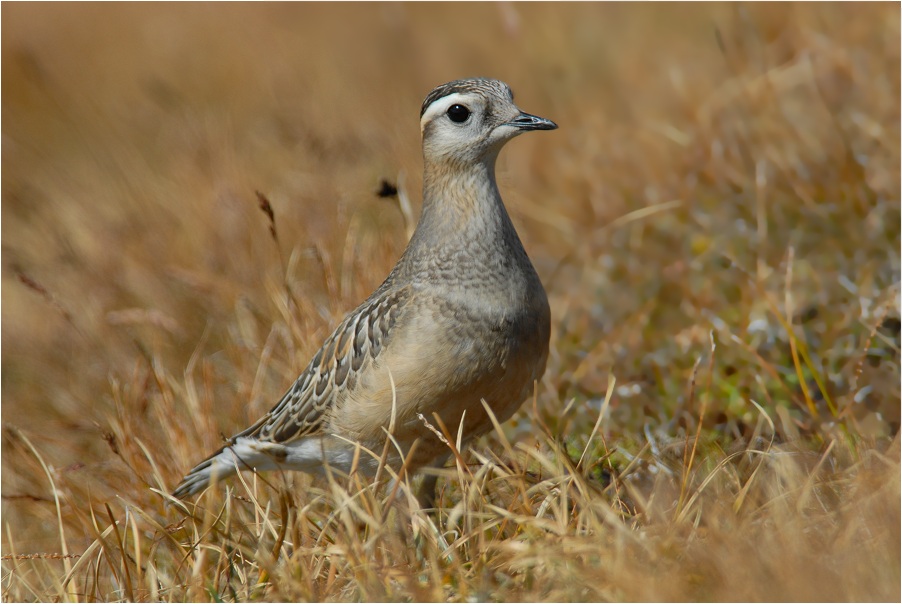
462	318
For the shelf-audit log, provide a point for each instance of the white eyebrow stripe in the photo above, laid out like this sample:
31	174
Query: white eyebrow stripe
441	105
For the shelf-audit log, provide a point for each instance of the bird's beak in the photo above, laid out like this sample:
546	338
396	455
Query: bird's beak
526	121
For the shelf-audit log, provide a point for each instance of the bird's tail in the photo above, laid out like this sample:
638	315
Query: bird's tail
222	464
241	454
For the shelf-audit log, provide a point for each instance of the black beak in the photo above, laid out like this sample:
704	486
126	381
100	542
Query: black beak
526	121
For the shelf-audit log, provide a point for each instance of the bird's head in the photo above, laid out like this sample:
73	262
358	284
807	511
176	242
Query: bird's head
468	121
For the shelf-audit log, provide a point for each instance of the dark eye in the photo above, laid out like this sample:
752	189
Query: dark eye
458	113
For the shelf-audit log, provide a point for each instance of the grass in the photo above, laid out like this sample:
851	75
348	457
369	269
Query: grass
717	223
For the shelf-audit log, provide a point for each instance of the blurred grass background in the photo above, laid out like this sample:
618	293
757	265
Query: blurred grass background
725	172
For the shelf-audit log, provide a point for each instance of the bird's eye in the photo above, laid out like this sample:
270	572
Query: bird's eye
458	113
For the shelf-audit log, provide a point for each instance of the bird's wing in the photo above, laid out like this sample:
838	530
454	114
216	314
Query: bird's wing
351	347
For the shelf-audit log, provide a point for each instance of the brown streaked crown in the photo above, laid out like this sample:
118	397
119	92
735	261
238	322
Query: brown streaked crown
484	85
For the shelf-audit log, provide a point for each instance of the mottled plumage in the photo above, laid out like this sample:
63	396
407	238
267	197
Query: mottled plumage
462	318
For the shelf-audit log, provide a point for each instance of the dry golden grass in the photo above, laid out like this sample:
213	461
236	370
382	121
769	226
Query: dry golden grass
717	223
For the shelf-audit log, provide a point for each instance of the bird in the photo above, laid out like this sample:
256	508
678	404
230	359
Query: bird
461	322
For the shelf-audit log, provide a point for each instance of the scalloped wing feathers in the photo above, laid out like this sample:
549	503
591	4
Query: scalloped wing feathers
305	409
333	372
